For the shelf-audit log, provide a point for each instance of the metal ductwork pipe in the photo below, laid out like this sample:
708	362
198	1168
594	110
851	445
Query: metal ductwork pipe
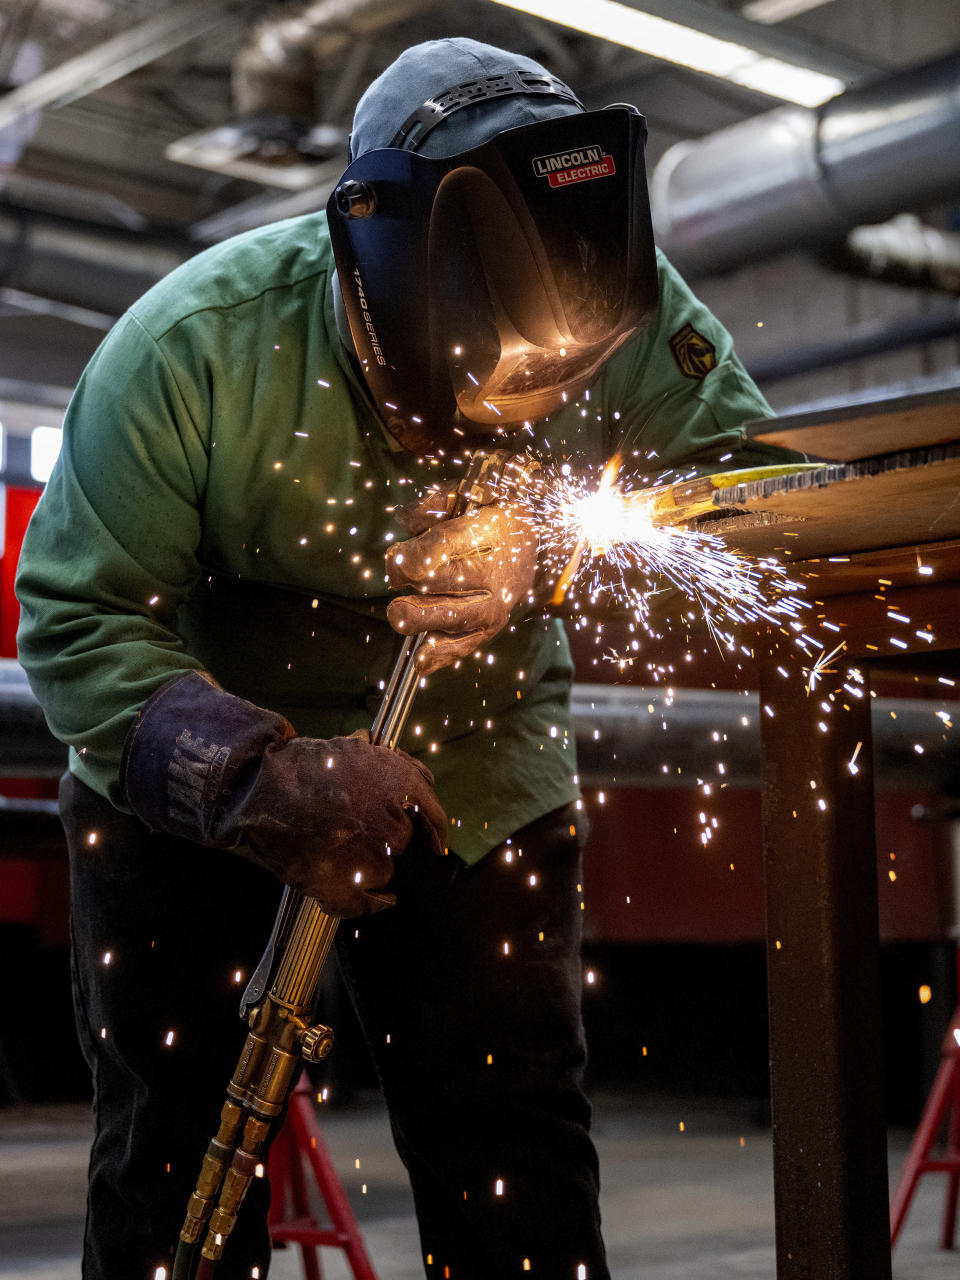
620	737
104	270
856	342
792	177
643	736
904	250
276	71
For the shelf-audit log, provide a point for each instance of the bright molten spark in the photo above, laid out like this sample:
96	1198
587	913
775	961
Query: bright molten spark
607	545
604	516
598	518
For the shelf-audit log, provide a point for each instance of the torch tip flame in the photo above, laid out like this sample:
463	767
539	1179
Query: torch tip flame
607	481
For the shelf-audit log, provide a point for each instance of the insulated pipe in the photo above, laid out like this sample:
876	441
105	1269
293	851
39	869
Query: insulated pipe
794	177
904	250
276	70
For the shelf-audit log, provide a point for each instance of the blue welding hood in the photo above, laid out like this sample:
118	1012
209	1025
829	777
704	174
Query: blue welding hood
484	288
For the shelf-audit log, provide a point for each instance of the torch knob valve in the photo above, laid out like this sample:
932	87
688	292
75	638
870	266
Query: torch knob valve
316	1043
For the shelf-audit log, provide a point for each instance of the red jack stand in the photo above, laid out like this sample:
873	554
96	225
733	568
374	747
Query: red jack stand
943	1106
300	1140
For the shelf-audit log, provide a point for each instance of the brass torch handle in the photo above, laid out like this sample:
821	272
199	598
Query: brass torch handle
299	970
278	1002
279	1033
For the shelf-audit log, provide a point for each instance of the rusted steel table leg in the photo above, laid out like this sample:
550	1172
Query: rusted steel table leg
830	1157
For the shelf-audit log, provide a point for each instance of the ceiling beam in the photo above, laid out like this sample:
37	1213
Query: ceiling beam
115	58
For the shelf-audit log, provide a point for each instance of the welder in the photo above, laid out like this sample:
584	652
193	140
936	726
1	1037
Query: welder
207	621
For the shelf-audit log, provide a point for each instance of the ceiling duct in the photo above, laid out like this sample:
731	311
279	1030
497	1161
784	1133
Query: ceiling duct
277	68
904	250
275	138
773	182
792	177
85	266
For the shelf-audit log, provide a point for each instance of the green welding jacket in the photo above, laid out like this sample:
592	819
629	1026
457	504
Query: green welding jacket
223	501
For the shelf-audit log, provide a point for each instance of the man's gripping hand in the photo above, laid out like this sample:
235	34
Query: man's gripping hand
327	816
466	575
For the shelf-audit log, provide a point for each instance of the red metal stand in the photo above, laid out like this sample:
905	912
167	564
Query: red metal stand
942	1110
290	1218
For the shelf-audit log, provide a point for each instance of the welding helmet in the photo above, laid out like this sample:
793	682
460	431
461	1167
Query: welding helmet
485	286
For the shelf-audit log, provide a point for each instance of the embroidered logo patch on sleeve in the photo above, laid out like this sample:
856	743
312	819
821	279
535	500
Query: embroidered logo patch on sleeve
693	353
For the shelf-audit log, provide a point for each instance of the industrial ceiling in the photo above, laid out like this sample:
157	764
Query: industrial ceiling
132	135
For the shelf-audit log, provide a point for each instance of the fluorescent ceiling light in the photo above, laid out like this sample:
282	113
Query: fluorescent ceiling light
778	10
686	47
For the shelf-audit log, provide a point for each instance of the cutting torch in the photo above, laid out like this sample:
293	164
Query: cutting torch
278	1003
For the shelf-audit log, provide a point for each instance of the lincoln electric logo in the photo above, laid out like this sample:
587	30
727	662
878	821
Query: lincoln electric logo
563	167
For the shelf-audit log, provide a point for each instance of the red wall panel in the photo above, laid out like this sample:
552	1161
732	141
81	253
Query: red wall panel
20	503
649	878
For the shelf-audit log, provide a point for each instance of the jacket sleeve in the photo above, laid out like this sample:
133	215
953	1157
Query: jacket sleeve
112	549
682	394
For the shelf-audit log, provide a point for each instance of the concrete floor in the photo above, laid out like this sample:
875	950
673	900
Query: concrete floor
690	1204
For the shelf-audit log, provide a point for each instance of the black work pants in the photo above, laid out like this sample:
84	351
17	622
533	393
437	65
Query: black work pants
468	992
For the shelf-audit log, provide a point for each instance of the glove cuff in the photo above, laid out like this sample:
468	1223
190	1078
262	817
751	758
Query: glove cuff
183	754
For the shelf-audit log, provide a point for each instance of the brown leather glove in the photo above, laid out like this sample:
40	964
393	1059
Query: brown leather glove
327	816
468	572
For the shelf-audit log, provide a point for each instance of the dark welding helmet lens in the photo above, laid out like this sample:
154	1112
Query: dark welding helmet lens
522	312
